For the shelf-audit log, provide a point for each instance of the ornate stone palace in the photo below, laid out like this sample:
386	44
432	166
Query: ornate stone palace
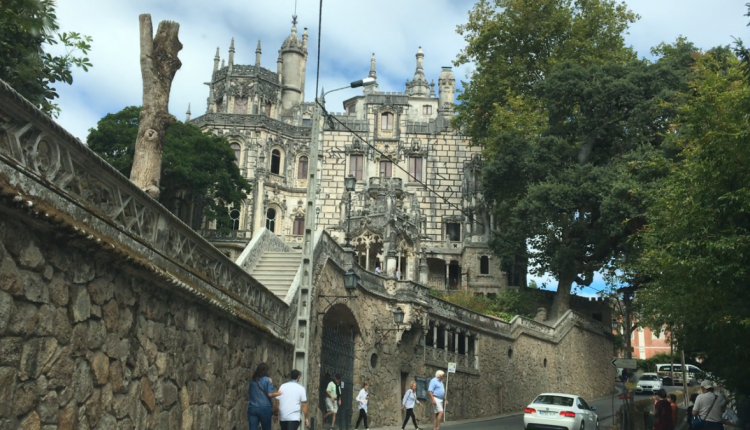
399	147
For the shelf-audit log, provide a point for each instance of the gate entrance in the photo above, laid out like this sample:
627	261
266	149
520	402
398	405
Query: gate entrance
337	358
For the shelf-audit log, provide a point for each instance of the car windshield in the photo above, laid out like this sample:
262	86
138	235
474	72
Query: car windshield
648	378
554	400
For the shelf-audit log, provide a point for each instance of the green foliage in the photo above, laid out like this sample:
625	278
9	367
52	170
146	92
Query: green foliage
697	244
27	27
505	305
198	169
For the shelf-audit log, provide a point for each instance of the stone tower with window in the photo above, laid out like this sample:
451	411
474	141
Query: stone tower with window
417	211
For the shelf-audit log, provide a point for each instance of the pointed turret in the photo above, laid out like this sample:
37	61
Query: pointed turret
231	53
447	85
257	55
432	88
293	55
373	74
187	114
216	60
418	85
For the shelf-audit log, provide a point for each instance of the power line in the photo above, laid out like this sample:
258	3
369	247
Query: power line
320	31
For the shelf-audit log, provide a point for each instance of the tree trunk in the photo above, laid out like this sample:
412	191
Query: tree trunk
561	302
159	63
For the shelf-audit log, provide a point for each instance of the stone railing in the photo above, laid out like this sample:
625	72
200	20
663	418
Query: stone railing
249	120
464	362
43	164
264	241
232	235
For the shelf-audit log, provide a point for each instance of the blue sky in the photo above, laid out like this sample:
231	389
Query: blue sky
352	31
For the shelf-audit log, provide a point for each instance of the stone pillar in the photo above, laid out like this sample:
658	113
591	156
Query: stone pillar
367	258
424	272
390	264
434	338
447	275
258	202
476	351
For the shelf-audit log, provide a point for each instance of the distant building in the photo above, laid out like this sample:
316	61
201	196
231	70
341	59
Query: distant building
402	143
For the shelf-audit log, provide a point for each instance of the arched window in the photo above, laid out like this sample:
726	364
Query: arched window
271	220
275	161
386	121
484	265
302	168
299	226
236	149
234	215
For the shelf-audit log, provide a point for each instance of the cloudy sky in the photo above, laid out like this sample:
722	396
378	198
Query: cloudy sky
352	31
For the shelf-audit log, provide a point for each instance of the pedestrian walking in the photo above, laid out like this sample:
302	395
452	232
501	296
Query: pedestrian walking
408	403
663	412
709	408
436	391
291	402
332	400
673	404
260	398
363	398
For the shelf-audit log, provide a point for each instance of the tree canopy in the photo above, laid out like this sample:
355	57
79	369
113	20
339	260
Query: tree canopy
200	177
27	28
696	247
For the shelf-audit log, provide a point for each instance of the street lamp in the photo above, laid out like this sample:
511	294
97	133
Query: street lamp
351	279
398	317
349	183
366	82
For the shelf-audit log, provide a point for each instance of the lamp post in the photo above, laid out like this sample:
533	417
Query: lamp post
302	330
349	183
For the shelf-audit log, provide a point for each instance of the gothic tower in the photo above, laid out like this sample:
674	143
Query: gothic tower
293	55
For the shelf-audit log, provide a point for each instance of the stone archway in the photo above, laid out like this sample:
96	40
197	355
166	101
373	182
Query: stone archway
337	358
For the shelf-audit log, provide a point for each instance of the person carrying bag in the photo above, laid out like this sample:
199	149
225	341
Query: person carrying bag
261	408
708	418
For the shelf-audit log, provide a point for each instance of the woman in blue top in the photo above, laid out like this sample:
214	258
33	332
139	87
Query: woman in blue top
260	395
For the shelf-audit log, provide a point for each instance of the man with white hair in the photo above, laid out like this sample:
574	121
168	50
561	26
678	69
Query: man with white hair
436	391
709	407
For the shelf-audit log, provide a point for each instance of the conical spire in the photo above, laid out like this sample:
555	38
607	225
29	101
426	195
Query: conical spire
187	114
257	55
373	74
231	52
418	85
216	60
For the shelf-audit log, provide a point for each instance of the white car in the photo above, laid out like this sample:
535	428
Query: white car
648	382
555	411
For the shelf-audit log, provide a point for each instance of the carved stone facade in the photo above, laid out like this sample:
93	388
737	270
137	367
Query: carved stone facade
417	211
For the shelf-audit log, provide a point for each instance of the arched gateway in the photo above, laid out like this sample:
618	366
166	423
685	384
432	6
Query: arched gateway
337	358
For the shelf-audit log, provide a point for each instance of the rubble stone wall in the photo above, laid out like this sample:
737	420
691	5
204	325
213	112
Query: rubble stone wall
87	344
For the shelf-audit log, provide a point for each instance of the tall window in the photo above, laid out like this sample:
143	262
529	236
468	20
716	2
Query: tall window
302	168
415	168
453	231
386	168
236	149
271	220
427	110
268	109
386	121
484	265
355	166
299	226
275	161
240	105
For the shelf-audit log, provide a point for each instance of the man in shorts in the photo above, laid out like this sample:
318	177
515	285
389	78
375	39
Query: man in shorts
332	400
437	395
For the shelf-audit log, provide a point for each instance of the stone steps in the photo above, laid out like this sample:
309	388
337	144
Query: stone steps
276	271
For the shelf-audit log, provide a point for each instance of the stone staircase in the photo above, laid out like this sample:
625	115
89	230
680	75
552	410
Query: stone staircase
276	270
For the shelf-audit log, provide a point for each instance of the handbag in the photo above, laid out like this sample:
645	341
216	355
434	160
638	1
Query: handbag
274	404
701	424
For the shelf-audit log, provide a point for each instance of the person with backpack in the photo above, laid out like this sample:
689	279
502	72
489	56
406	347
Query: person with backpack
261	399
408	403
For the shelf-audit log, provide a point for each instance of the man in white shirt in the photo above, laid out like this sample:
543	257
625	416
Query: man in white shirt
291	401
709	406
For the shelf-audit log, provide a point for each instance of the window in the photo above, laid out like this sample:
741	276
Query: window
299	226
275	161
302	168
386	121
236	149
386	168
453	231
427	110
271	220
415	168
351	109
355	166
484	265
240	105
306	122
255	109
234	215
268	109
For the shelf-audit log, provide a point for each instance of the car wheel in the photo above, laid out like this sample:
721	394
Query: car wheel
583	425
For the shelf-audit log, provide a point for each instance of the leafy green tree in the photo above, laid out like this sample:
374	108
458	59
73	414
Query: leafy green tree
697	243
200	177
27	28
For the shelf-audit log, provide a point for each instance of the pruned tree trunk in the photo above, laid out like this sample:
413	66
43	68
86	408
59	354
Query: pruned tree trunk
159	63
561	302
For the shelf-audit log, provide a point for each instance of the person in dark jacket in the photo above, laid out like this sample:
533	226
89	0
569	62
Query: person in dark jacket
663	412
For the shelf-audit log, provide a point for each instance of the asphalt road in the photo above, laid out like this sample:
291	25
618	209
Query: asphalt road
515	422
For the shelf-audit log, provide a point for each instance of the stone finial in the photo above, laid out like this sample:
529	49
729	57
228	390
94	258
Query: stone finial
222	64
373	74
187	114
216	60
231	52
420	59
304	39
432	88
257	55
